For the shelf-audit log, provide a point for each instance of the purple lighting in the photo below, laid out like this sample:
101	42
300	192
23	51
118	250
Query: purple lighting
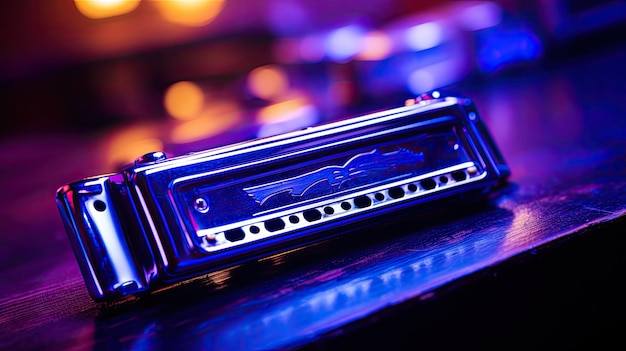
480	16
311	49
287	17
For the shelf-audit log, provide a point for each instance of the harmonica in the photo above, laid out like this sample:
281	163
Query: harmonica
163	220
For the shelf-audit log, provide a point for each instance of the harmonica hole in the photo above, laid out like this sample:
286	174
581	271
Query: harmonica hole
412	188
254	229
396	192
312	215
99	205
379	196
235	234
362	201
428	184
329	210
459	176
275	224
346	205
443	179
294	219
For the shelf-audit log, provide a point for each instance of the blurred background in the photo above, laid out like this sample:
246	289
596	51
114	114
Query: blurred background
126	77
86	86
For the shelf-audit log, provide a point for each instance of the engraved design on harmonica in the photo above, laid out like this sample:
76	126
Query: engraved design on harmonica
370	165
162	220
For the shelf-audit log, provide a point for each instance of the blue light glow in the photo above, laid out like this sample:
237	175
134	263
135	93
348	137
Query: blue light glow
348	296
436	75
424	36
504	47
344	43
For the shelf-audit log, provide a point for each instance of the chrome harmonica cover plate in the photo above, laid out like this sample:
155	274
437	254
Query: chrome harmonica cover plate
165	220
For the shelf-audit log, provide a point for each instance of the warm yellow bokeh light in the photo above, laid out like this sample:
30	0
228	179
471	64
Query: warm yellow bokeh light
268	82
189	12
281	111
184	100
211	122
125	145
376	46
105	8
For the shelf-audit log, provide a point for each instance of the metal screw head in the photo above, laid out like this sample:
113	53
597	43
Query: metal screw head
201	205
151	157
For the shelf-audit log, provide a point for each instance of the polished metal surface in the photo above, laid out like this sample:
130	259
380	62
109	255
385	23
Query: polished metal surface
163	221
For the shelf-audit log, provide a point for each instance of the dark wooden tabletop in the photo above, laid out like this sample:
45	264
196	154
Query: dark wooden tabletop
536	264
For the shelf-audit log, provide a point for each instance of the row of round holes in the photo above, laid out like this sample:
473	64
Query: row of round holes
362	201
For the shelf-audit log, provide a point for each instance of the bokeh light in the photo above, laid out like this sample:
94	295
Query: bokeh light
189	12
480	16
268	82
184	100
96	9
213	120
424	36
126	144
376	45
289	115
436	75
344	43
507	45
280	111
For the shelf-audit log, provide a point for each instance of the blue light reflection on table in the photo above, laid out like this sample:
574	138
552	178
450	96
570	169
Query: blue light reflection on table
269	323
297	307
564	180
267	319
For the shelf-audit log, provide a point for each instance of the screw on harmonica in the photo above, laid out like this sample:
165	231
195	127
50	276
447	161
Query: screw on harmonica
201	205
151	157
211	237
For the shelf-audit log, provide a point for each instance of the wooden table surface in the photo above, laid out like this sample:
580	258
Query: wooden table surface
464	276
